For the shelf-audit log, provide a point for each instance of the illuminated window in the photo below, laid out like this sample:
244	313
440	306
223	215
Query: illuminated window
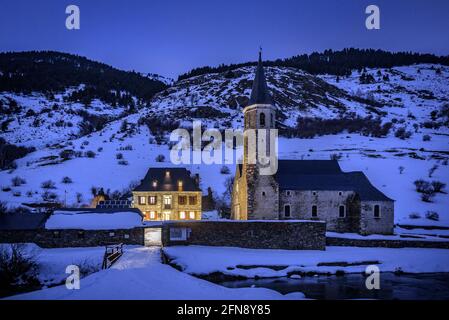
152	199
192	215
154	184
141	200
182	215
152	215
167	202
179	185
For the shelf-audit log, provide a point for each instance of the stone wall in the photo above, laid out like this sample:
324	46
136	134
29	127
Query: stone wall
333	241
263	202
73	238
250	234
381	225
328	203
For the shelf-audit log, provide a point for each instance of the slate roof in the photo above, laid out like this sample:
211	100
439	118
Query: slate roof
167	182
259	91
22	221
325	175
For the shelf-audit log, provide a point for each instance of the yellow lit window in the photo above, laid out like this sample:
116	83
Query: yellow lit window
182	215
152	215
141	200
192	215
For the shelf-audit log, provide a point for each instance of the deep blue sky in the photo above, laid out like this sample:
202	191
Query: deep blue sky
171	37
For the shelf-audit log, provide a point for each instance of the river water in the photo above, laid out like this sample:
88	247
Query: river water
430	286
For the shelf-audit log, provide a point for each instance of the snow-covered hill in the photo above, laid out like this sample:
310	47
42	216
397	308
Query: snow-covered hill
41	121
412	98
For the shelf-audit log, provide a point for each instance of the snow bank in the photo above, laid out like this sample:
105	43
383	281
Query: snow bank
53	262
206	260
140	275
402	236
93	221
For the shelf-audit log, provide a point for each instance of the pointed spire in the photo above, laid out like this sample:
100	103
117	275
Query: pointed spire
259	92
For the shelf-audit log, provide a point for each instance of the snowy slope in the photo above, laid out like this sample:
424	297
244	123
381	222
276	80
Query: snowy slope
219	98
51	121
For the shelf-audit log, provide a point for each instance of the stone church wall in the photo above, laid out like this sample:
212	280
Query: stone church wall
328	203
382	225
263	197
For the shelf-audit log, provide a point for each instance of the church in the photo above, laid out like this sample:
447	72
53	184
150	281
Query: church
303	189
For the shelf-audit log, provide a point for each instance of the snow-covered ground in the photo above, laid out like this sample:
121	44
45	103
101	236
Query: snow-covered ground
140	275
52	263
250	263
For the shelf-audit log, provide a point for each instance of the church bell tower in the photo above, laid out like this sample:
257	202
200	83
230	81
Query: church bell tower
262	190
259	117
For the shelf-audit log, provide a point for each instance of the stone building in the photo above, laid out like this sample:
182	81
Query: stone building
303	189
168	194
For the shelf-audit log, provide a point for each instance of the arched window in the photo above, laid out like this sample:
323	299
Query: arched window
287	210
376	211
341	212
314	211
262	120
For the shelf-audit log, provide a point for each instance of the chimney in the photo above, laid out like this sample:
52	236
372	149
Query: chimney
197	179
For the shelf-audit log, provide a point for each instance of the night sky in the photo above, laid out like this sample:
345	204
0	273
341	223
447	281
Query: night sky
171	37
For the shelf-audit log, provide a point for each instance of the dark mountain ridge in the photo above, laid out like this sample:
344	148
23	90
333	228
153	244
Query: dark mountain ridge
50	72
333	62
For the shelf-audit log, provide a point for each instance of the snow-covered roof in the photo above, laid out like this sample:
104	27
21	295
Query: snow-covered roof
94	219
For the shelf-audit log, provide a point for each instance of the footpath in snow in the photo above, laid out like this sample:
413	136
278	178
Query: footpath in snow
140	275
